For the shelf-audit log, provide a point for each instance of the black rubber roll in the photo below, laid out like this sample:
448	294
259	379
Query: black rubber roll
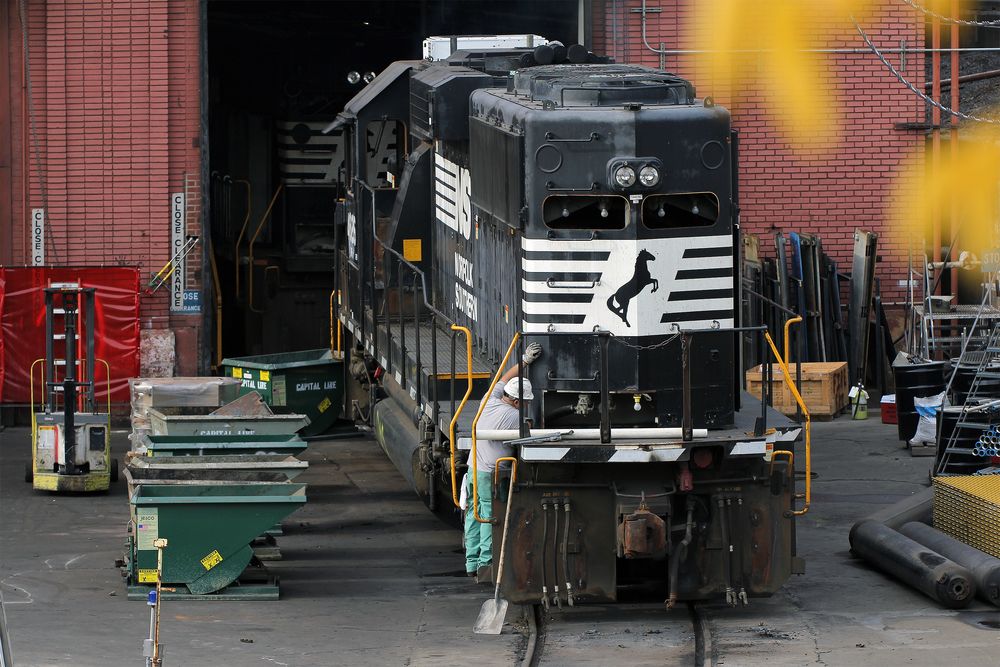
577	53
925	570
985	568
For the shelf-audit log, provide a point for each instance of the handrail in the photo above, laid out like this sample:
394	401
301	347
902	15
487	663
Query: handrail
217	285
253	240
243	230
513	470
788	325
31	398
458	412
335	350
475	424
805	411
107	383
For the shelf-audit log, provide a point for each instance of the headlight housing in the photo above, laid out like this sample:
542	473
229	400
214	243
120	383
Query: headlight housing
649	176
625	176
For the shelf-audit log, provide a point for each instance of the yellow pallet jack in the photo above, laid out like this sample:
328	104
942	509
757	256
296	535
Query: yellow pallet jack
70	438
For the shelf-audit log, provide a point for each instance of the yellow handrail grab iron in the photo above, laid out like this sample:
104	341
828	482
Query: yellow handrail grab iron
253	240
31	398
788	325
513	469
335	349
107	389
475	423
805	411
458	412
243	230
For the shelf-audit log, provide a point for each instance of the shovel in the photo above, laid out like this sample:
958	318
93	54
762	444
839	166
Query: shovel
494	610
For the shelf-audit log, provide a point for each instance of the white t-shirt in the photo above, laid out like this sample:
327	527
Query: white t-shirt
496	415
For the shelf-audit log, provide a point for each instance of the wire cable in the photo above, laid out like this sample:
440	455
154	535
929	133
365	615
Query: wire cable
948	19
919	93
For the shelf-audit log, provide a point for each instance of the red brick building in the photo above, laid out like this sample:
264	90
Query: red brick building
106	105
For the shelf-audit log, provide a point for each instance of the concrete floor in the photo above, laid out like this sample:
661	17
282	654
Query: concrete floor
369	577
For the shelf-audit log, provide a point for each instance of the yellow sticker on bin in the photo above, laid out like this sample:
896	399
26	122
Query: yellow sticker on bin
265	376
147	576
237	372
211	560
323	405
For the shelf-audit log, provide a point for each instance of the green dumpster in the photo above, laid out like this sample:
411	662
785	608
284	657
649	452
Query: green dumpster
196	423
208	529
309	382
215	469
221	445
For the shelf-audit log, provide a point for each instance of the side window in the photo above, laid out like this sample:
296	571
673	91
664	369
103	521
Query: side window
687	209
585	212
385	146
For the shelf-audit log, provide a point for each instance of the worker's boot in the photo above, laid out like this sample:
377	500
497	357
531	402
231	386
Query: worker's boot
484	575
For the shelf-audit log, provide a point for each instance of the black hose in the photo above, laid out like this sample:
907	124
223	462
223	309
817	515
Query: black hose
727	547
545	561
675	558
555	552
565	558
740	545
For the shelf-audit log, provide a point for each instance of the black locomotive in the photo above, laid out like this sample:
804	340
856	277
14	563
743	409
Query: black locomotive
591	207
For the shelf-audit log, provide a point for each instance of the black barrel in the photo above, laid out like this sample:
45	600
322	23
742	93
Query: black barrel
964	373
923	380
961	461
922	568
985	568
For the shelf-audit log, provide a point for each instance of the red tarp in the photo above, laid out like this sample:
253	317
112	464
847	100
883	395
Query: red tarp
22	326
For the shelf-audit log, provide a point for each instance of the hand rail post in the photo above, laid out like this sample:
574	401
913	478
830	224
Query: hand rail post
475	423
805	411
455	414
687	419
602	340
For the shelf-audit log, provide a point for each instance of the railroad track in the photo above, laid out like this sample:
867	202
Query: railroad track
637	633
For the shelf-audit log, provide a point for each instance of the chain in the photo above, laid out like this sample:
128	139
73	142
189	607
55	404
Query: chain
654	346
949	19
919	93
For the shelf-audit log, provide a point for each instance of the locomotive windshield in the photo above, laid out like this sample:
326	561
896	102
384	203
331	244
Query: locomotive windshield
585	212
689	209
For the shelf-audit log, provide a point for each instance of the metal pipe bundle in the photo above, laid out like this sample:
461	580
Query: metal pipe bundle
985	568
915	564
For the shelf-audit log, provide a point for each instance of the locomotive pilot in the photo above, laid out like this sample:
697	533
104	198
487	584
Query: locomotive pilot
502	412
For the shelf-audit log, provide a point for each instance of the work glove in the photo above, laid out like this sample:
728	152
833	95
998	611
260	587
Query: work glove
531	353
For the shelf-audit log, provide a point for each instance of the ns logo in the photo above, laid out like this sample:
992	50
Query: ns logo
619	301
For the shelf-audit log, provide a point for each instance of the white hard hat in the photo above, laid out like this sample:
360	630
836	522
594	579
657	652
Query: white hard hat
514	387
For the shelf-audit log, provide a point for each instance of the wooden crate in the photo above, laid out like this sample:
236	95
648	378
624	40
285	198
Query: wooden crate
824	387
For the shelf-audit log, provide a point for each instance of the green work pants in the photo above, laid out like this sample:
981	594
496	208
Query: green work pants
479	536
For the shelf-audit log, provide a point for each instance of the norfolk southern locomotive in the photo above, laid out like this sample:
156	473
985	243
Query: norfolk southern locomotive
591	207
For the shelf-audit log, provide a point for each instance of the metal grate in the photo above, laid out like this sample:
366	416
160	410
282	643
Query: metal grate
968	509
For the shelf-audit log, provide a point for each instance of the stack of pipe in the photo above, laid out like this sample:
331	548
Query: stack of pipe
898	541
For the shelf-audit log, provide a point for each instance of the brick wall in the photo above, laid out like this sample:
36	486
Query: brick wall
115	91
829	194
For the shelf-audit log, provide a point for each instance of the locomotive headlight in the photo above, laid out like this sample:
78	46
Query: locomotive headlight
353	77
625	176
649	176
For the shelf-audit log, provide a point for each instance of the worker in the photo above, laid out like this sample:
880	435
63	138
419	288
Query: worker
502	412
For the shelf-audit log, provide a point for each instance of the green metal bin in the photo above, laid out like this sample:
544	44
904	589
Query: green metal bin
309	382
208	529
221	445
195	423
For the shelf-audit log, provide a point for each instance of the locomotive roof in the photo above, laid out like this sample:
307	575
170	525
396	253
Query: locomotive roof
601	85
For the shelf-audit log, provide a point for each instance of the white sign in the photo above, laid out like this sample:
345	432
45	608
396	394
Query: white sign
37	236
177	229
